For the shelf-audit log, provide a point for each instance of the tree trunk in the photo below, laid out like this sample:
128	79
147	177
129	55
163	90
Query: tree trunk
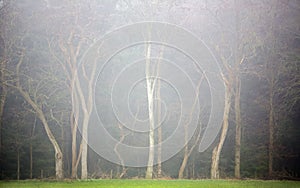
31	149
74	128
271	130
150	90
159	152
59	165
84	167
237	96
2	99
159	129
217	150
74	148
214	173
18	164
238	123
31	160
184	162
122	137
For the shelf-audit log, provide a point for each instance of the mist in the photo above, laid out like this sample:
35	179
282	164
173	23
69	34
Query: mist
156	89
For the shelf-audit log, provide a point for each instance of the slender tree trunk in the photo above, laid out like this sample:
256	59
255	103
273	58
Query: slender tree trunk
238	123
217	150
184	162
193	169
84	167
31	149
74	147
150	88
159	129
31	160
2	103
18	164
122	137
2	99
271	130
186	153
159	152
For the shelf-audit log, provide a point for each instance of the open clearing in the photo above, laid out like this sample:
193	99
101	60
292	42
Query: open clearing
151	183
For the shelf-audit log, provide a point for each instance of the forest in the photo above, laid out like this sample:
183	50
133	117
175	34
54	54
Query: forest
128	89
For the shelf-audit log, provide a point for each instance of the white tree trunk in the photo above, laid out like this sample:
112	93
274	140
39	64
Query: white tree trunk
150	91
217	150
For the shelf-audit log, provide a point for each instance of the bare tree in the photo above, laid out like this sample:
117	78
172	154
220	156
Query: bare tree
34	102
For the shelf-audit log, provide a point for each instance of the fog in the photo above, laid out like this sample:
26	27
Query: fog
149	89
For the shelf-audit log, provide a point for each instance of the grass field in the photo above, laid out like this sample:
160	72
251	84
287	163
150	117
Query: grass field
151	183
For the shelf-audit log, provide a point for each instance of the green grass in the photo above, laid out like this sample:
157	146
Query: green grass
151	184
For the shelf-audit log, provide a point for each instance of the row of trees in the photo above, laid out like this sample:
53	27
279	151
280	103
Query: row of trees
44	87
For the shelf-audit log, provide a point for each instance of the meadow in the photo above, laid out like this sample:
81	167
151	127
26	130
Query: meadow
150	184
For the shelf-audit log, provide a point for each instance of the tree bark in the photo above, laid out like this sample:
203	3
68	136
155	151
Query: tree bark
237	171
122	137
31	161
84	167
237	96
184	162
18	164
74	126
31	149
217	150
3	94
150	88
159	129
271	129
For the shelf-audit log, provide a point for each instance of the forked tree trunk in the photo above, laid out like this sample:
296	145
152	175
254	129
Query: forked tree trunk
217	150
86	107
